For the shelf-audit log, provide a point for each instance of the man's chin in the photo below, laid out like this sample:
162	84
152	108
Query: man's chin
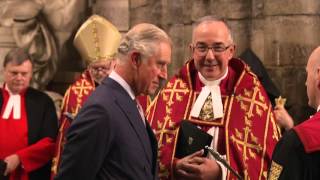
211	76
152	91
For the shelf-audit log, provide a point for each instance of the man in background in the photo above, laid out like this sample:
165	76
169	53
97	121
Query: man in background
297	154
28	122
97	40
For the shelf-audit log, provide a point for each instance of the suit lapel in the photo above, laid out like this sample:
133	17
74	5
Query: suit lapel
128	106
154	146
132	113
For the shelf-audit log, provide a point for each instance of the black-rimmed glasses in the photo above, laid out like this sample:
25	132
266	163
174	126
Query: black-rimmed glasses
216	48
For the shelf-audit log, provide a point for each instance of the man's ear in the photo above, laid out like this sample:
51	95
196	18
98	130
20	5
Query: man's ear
232	50
318	76
191	50
136	59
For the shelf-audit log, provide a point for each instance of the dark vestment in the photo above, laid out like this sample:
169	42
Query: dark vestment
297	154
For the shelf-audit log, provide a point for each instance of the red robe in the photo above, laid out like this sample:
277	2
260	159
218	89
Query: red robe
14	140
73	100
247	132
309	133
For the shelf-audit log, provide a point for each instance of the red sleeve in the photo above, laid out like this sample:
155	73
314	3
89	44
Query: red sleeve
37	155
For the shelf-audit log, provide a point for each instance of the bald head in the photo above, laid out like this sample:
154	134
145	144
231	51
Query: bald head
314	59
313	78
217	23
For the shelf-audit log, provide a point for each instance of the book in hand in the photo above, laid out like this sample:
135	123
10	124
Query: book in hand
191	139
3	166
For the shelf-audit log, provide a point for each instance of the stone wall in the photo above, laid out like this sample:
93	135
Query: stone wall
281	33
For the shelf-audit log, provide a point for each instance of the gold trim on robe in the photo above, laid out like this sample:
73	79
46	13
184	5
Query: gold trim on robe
73	100
249	131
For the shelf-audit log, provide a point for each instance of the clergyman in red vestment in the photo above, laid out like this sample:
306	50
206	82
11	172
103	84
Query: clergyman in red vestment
97	41
28	122
219	94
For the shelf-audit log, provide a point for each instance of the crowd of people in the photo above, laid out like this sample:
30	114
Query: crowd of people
105	133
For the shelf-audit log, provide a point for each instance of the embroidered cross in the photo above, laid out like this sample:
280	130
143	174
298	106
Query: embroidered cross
165	130
167	127
251	97
81	88
242	142
173	89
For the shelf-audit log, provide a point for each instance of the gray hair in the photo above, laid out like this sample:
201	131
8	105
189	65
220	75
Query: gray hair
143	38
16	56
212	18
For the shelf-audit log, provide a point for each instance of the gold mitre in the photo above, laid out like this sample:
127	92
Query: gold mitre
97	39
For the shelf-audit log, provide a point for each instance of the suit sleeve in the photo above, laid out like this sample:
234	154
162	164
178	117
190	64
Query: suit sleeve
88	141
287	159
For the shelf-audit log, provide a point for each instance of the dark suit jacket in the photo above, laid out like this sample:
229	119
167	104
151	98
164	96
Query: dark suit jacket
108	139
42	122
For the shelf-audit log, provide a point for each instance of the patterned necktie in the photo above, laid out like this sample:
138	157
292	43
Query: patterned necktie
206	112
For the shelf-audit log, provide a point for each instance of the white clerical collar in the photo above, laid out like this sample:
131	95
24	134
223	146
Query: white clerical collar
115	76
13	104
318	109
214	82
213	88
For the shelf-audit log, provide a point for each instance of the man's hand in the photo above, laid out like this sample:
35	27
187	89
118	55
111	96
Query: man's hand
196	167
283	118
13	161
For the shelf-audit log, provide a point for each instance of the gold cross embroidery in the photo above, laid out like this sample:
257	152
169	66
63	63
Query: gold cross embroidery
167	127
172	89
170	130
241	139
80	89
75	110
250	96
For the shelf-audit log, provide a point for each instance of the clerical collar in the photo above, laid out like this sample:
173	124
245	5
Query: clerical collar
213	88
214	82
318	109
13	104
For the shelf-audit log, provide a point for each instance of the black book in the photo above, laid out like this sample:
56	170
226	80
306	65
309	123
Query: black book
191	139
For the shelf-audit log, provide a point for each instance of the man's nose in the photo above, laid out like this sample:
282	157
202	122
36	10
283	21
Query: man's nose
210	54
19	76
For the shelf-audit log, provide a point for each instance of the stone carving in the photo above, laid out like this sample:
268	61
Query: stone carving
42	27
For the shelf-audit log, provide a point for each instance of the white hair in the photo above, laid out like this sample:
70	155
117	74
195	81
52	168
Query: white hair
143	38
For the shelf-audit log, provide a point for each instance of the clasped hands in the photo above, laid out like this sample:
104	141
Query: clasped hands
197	167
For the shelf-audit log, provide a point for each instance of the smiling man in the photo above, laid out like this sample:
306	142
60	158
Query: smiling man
219	94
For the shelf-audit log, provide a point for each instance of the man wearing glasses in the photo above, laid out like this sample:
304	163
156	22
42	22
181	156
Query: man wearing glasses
220	95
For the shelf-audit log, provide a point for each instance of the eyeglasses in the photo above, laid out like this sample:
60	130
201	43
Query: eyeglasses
96	70
217	48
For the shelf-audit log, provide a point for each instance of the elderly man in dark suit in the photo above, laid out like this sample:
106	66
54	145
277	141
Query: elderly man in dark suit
110	137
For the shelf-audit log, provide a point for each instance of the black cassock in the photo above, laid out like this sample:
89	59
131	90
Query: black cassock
291	162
